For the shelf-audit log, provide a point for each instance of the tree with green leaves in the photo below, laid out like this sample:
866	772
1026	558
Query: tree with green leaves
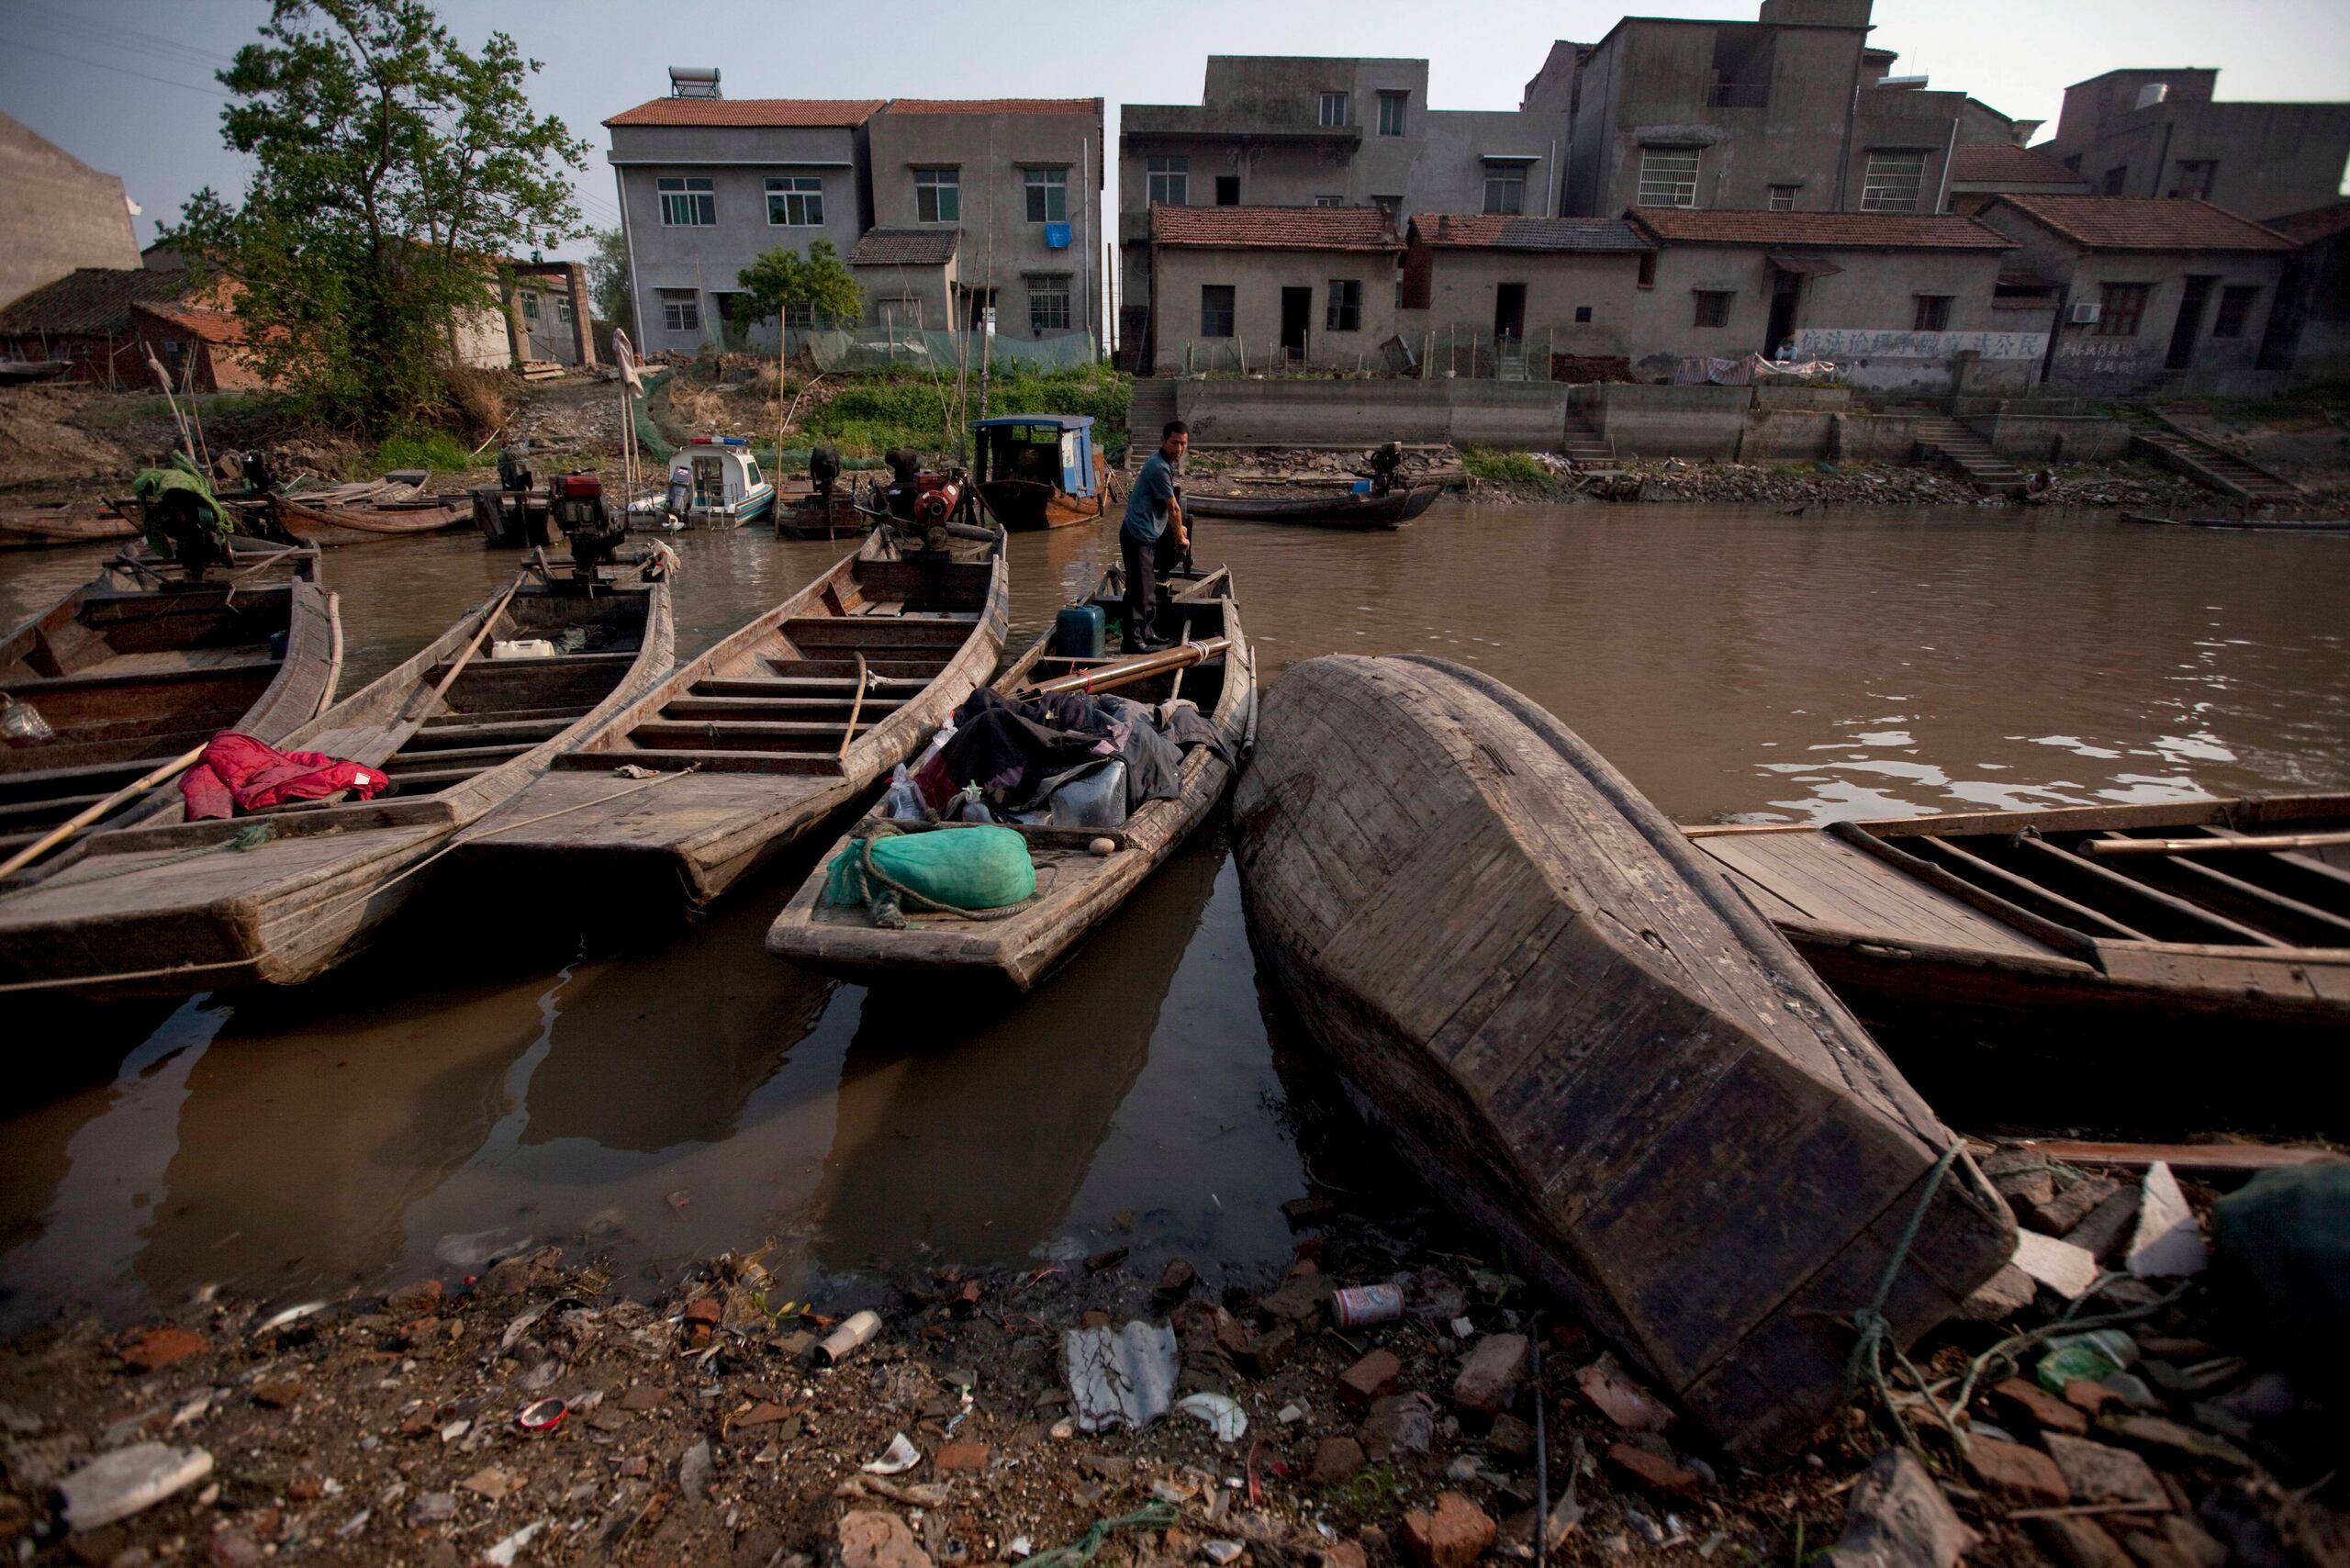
780	280
607	278
394	172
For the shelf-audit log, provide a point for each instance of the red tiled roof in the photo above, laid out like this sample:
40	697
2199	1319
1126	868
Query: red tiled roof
1275	228
2122	223
211	326
804	113
2317	223
2000	164
91	300
1493	231
1852	231
995	105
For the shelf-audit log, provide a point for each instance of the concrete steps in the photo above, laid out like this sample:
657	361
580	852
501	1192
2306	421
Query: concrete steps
1583	444
2207	462
1153	406
1943	438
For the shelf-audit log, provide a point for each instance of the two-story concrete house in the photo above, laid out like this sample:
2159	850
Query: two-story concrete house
2154	133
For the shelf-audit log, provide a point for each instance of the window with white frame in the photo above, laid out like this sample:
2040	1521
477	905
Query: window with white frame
1668	176
798	201
1504	189
1047	302
681	311
938	195
1047	195
1334	108
1783	198
1344	313
1893	181
1170	181
1391	113
1330	201
688	202
2194	179
530	306
801	317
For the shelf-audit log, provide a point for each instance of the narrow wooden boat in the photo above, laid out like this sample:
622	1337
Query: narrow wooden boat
281	897
67	522
2252	524
327	523
788	720
1077	889
1039	470
2017	926
1577	1028
1350	510
141	665
811	516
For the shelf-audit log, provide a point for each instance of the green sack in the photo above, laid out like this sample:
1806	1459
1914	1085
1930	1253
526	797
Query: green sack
963	868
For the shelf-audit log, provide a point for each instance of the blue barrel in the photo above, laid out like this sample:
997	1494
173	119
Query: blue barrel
1078	632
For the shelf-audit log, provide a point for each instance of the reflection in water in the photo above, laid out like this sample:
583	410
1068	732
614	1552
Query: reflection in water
456	1093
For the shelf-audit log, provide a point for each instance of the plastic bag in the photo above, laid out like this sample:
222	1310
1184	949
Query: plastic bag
1094	799
903	803
22	725
977	868
2087	1358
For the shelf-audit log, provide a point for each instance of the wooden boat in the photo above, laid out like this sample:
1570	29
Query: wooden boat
1039	470
812	516
282	897
67	522
723	482
1574	1024
2254	524
778	727
1349	510
1077	889
2036	926
141	665
324	522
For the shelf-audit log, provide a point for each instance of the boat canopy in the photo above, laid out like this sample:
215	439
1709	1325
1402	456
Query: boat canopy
723	475
1050	449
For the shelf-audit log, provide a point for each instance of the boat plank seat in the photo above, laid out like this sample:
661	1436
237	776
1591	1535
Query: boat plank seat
1824	882
2164	916
860	634
740	734
2014	887
404	760
711	760
776	686
2290	919
921	671
464	735
837	706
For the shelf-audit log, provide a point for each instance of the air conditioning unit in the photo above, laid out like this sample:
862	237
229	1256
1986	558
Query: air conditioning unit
2086	312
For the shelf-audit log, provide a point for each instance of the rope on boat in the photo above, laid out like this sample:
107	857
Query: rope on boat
1876	1333
882	905
255	834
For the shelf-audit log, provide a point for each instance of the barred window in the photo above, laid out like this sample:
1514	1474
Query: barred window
798	201
1345	311
1048	302
1893	181
681	311
1668	176
1713	306
2194	179
938	195
688	202
1170	181
1047	196
1216	310
1783	198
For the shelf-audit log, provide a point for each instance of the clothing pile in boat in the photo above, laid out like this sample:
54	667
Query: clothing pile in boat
1049	760
238	773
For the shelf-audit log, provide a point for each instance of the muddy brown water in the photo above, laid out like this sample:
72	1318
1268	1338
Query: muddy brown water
478	1082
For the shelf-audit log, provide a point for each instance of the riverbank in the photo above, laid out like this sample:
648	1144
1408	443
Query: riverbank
538	1407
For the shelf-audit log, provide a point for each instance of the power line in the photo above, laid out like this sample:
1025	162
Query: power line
123	71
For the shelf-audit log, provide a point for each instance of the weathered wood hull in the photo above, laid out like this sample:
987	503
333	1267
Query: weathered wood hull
1077	891
2005	926
28	528
1390	510
760	739
335	525
176	906
1584	1036
2247	524
809	517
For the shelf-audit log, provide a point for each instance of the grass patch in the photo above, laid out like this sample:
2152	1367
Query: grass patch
1506	467
115	412
1372	1495
874	412
436	450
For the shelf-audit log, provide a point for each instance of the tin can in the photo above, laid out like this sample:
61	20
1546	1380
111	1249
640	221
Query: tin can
1359	1305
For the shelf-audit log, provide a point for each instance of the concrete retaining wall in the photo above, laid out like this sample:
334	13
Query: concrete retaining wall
1525	416
2044	437
1676	421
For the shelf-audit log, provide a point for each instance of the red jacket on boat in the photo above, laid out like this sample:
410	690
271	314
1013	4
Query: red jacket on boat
238	773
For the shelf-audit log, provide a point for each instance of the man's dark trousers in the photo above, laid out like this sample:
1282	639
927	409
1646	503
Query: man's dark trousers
1143	560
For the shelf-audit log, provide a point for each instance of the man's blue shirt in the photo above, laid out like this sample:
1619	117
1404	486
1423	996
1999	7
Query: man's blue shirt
1154	488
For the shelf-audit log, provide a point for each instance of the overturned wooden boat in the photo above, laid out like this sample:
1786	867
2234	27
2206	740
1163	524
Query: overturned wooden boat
1039	470
2256	524
281	897
143	663
788	720
66	522
2126	925
1581	1032
1347	510
325	520
1077	889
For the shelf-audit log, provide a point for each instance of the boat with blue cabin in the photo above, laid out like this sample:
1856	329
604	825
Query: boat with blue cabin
723	485
1039	470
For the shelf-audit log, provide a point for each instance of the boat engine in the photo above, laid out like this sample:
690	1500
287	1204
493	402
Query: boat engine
594	529
825	470
1386	467
511	473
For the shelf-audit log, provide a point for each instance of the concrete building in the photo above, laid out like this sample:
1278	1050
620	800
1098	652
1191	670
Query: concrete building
708	184
2154	133
912	278
1792	112
2309	333
1980	175
63	214
1261	288
1562	287
1903	303
1318	131
2154	296
1021	179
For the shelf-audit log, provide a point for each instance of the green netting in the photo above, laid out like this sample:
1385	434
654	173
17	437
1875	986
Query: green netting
874	348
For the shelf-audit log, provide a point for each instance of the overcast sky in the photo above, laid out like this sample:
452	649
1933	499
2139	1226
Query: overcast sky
127	85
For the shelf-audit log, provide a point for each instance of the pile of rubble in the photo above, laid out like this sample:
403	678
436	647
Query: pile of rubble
1273	470
2132	485
537	1413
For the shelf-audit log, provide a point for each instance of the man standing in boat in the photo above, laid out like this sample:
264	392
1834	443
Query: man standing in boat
1153	537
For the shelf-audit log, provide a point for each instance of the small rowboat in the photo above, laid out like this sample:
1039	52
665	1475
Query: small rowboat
764	736
68	522
1366	512
2126	923
811	516
2252	524
1039	470
326	523
1573	1023
1077	889
283	896
141	665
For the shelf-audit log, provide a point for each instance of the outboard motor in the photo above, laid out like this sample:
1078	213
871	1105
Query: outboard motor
594	529
1386	465
512	474
825	469
679	503
905	472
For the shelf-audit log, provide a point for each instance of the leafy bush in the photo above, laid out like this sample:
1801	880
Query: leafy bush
871	413
414	448
1505	467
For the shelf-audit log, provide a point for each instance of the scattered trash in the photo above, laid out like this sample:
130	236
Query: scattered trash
2168	1242
543	1417
2067	1269
856	1330
502	1555
1358	1307
1124	1379
2084	1358
900	1456
117	1485
1223	1551
1219	1412
288	1318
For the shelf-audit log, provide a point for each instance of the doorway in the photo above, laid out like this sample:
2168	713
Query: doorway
1509	311
1785	289
2190	321
1297	311
977	303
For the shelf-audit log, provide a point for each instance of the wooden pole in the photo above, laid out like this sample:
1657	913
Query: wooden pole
433	700
89	814
857	706
1104	677
2270	843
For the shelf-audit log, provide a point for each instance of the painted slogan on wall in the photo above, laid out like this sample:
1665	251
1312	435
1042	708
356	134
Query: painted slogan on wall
1851	342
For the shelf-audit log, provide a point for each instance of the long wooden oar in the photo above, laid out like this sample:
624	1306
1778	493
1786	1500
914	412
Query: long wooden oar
432	701
2249	843
89	814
